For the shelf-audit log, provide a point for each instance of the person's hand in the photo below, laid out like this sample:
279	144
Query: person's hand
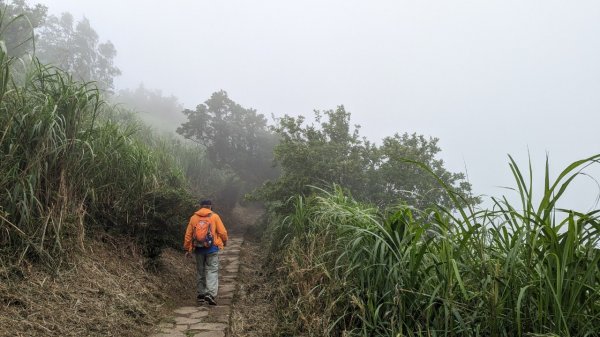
224	243
188	255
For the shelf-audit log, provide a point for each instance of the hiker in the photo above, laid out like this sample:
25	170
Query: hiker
205	236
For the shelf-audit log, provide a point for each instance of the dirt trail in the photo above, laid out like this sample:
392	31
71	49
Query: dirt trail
191	319
205	320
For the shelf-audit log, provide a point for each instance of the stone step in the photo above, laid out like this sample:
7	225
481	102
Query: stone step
206	320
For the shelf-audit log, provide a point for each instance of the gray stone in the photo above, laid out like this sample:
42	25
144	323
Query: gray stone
227	287
208	334
199	314
181	327
209	326
172	333
185	320
185	310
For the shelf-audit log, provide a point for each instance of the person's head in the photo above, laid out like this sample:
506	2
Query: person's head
206	204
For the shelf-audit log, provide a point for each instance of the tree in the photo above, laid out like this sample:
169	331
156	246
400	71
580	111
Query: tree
317	155
18	21
333	153
234	137
162	112
75	48
60	41
403	181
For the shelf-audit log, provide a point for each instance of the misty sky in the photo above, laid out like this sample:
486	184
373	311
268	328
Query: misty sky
488	78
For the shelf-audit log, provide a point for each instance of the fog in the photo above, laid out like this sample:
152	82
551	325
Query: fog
489	78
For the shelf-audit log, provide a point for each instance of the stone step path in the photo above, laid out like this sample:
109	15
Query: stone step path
206	320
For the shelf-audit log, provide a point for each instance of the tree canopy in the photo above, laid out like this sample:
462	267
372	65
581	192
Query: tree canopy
331	151
234	137
161	111
18	22
73	46
76	48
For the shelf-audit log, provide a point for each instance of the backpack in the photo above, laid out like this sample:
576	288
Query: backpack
202	235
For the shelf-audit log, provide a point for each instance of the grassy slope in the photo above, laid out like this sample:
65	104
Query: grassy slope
105	292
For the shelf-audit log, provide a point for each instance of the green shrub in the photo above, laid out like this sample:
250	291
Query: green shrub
349	269
67	166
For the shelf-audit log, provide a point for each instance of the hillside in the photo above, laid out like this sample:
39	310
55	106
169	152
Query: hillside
106	291
109	290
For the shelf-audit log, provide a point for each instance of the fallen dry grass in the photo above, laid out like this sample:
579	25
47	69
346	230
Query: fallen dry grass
253	310
107	291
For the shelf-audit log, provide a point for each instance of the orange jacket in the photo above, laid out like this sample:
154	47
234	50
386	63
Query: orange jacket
217	229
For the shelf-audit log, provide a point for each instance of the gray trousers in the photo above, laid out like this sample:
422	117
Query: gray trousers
207	267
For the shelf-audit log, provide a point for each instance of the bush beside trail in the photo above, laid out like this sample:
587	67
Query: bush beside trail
92	203
350	269
68	168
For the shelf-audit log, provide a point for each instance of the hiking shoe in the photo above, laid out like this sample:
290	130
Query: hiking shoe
201	298
210	299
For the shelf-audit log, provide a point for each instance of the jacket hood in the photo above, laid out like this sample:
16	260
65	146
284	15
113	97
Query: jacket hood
203	212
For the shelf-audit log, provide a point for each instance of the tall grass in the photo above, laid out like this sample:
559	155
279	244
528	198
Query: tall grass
514	270
69	164
46	125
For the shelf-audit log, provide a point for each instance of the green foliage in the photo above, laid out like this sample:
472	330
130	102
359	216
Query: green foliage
164	114
235	137
18	22
71	46
67	166
330	152
203	179
509	271
309	155
399	180
75	48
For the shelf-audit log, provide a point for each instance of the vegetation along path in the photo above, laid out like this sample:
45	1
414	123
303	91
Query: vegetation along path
206	320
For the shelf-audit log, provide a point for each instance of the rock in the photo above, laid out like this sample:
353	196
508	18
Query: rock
185	310
209	326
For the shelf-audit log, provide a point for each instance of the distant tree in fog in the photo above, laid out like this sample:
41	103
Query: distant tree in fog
75	47
399	180
60	41
162	112
234	137
317	155
333	152
17	33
